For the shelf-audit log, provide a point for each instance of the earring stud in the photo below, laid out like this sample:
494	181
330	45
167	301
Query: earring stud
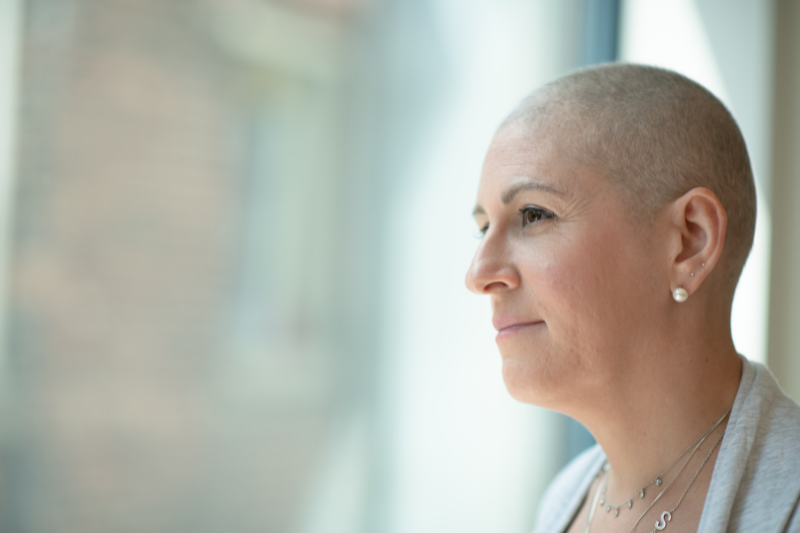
680	294
702	264
691	273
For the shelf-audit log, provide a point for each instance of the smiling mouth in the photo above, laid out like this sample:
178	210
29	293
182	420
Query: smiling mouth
510	331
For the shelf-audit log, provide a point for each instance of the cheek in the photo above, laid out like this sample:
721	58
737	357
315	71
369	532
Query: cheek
591	290
585	286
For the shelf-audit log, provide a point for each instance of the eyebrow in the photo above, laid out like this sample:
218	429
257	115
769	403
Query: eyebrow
514	190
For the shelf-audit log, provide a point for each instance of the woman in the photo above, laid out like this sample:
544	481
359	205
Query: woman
617	207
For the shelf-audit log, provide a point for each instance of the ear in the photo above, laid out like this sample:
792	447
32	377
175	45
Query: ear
697	235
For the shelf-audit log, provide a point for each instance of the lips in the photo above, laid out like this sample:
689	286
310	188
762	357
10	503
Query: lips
507	326
501	322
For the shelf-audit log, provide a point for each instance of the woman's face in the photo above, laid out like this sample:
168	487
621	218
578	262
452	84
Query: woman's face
572	280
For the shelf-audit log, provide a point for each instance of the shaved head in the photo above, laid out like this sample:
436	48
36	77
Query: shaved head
656	135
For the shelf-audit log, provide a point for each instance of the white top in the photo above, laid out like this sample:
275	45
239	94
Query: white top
756	481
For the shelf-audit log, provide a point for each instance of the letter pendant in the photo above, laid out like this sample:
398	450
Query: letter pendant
665	517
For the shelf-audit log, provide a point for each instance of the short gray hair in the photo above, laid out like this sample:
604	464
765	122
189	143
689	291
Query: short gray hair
657	135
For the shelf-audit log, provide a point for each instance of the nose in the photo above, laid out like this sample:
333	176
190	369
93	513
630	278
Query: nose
491	270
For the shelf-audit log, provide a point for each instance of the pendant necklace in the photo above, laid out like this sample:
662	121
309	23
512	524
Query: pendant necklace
666	516
657	480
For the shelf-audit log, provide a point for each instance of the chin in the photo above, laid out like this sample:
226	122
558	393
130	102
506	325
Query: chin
532	383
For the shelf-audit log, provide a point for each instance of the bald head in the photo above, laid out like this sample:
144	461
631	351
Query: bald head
656	135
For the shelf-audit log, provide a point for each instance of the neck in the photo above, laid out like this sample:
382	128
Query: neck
682	391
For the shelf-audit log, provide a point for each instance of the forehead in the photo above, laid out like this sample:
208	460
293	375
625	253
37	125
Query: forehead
518	153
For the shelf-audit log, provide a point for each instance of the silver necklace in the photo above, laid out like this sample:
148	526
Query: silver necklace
667	515
656	480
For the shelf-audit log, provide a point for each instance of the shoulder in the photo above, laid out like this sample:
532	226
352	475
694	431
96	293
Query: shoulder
781	413
773	435
756	481
769	425
565	493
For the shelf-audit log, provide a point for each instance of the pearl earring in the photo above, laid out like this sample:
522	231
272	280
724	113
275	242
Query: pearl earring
680	294
691	274
702	264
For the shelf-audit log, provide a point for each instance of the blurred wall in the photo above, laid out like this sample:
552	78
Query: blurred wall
784	332
179	349
121	259
10	37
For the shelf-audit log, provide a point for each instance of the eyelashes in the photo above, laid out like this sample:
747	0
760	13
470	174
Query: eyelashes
530	215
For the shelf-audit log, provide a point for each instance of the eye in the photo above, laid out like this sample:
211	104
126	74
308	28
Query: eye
482	231
532	215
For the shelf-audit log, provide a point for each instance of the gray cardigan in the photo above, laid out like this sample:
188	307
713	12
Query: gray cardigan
755	486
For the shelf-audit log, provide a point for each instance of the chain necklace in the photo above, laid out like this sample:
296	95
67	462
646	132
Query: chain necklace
656	480
666	516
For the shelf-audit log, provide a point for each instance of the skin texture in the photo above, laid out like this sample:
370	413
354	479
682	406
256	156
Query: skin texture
605	342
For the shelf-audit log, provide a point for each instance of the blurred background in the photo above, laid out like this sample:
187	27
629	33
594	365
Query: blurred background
233	237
